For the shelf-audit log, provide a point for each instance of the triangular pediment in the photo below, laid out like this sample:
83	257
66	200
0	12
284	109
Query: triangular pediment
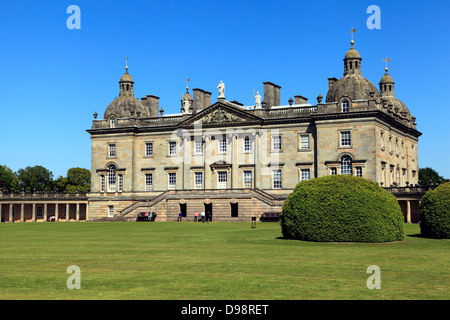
221	114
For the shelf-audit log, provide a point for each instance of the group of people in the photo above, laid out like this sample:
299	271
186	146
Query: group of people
203	216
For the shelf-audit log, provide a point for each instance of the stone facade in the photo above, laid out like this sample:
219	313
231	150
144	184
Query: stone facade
240	161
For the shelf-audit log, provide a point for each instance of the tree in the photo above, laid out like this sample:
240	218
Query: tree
341	208
427	174
78	179
8	179
36	177
435	213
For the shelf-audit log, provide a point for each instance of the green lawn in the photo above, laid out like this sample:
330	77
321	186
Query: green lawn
186	260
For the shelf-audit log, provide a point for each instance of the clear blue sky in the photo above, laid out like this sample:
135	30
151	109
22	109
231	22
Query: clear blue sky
54	78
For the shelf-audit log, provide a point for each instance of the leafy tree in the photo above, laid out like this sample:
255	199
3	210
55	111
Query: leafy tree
427	174
36	177
341	208
8	179
78	179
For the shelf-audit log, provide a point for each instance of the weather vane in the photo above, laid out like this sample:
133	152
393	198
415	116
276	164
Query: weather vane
386	60
352	32
126	63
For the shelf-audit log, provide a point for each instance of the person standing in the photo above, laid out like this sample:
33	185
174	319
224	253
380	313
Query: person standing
203	216
180	215
195	216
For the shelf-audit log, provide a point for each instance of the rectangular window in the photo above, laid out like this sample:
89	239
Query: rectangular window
304	174
110	211
247	144
172	148
248	183
277	179
346	138
304	142
102	183
120	186
172	180
39	212
222	180
149	149
358	171
223	146
276	143
198	147
148	182
333	171
198	180
112	150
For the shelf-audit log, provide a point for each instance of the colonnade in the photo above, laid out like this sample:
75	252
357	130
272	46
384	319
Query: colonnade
45	211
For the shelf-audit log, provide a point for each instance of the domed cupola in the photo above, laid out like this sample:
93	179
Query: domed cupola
352	85
126	105
388	96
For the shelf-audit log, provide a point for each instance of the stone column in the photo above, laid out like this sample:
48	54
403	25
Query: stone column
10	218
78	212
45	212
408	211
22	212
56	212
33	213
67	212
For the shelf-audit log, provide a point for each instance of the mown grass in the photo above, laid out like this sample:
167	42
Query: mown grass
173	261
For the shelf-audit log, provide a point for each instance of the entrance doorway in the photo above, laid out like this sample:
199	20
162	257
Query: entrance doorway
183	209
234	210
208	211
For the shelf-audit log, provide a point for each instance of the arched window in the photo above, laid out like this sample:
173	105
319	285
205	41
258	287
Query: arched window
112	178
356	64
346	165
345	106
112	122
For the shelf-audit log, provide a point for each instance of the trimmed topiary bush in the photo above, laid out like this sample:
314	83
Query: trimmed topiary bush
435	213
342	208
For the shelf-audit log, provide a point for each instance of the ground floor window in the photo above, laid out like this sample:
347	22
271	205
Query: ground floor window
110	211
305	174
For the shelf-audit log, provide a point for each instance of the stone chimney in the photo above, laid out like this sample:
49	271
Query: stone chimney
271	95
206	99
331	81
198	99
152	104
300	100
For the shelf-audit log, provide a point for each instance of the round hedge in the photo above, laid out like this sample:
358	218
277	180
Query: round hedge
342	208
435	213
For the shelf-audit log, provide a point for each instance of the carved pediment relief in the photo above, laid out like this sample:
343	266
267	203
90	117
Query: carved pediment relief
221	114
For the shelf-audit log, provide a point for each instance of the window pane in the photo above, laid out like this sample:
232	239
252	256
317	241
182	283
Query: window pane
223	146
304	141
345	138
248	179
172	148
346	165
222	179
277	179
149	149
247	144
198	180
112	178
172	180
148	182
112	150
305	175
276	143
